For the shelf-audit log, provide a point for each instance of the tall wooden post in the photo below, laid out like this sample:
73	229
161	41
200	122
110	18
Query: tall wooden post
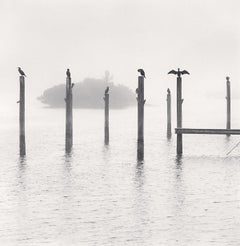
179	114
106	113
169	124
141	102
22	145
69	123
179	106
228	97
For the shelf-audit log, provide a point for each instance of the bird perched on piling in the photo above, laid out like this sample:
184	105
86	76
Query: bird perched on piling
68	73
168	91
21	72
107	90
178	72
141	71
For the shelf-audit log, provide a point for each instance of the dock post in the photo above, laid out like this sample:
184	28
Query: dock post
141	102
169	124
22	144
106	114
179	114
69	117
179	106
228	97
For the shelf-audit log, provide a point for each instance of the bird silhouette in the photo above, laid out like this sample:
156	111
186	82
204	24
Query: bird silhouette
107	90
21	72
141	71
178	72
68	73
168	91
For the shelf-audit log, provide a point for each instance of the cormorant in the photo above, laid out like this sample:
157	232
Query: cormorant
107	90
21	72
178	72
141	71
68	73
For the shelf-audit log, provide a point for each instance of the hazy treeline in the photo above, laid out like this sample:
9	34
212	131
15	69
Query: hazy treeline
89	94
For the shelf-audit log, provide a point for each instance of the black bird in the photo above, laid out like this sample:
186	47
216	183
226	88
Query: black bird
178	72
141	71
107	90
68	73
168	91
21	72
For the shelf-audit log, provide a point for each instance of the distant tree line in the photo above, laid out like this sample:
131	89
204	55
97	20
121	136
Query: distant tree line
89	94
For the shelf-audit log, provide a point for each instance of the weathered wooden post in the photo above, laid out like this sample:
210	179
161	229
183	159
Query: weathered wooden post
69	117
169	124
228	97
22	145
179	113
106	113
179	106
141	102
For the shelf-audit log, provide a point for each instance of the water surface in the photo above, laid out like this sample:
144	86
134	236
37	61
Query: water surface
100	195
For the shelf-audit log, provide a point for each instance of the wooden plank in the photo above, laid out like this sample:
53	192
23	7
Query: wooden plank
206	131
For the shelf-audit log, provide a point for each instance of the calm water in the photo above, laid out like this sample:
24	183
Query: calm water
102	196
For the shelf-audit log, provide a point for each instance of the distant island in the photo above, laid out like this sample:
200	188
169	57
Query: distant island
89	94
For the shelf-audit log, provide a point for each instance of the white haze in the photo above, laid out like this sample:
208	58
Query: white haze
90	36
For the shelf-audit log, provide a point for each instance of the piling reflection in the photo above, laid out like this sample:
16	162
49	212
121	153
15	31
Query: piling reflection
67	176
68	159
179	164
141	207
105	148
22	162
179	199
140	174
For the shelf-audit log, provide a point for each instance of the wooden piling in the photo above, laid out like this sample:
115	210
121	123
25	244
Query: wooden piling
22	144
106	114
69	117
179	114
228	97
169	124
141	102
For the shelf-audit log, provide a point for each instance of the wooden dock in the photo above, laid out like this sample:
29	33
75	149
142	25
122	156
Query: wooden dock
207	131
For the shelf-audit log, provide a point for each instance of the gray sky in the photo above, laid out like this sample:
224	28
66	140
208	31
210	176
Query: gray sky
45	37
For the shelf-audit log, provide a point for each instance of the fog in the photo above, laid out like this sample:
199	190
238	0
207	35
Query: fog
89	36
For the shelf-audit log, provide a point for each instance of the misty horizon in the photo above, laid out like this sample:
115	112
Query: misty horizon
45	38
